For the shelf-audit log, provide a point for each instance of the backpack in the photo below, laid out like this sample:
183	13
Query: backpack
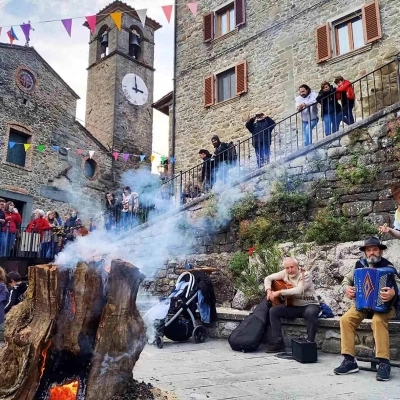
232	154
248	334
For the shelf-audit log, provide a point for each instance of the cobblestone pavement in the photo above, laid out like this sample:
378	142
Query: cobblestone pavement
213	371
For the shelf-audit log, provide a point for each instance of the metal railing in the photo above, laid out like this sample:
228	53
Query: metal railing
373	92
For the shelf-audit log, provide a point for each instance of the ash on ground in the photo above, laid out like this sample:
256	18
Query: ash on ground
144	391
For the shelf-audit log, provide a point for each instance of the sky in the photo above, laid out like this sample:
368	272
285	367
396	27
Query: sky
69	55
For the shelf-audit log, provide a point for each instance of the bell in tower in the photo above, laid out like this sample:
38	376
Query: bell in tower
104	43
134	45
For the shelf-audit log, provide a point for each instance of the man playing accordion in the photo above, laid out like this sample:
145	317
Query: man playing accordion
350	321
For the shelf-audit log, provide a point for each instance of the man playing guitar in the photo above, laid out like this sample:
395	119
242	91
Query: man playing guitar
299	300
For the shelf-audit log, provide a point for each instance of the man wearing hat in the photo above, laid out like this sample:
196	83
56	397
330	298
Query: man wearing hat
395	231
350	321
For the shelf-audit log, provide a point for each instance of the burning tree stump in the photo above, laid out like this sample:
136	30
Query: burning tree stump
77	335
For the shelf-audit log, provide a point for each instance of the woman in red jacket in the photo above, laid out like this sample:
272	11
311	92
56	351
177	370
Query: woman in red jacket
40	225
13	221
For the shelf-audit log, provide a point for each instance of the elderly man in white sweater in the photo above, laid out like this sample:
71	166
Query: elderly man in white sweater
304	302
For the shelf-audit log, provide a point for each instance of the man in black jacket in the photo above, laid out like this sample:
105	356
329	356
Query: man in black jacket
17	290
261	127
207	169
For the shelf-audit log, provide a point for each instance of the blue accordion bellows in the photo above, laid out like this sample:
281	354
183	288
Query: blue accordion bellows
368	283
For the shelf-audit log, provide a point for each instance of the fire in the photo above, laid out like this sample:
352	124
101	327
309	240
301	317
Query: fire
44	355
68	391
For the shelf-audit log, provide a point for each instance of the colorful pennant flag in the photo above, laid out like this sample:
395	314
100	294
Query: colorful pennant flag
117	18
172	160
27	146
91	153
79	151
40	148
142	157
126	157
115	155
12	36
91	20
56	148
67	25
11	144
163	158
152	158
142	16
167	12
26	29
193	7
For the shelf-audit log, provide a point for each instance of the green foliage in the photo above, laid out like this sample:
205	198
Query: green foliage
243	208
356	172
259	231
329	226
284	199
248	272
209	210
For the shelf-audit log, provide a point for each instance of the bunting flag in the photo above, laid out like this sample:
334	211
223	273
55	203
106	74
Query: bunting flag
117	18
167	12
126	157
40	148
91	153
12	36
91	20
11	144
172	160
115	155
67	25
56	148
163	159
193	7
27	146
26	29
142	16
152	158
79	151
142	157
68	148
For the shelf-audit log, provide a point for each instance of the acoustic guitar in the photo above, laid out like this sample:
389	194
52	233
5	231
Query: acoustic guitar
280	285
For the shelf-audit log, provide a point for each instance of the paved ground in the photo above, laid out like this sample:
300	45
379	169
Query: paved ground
213	371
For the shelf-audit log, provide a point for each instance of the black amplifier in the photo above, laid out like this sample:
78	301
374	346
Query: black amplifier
304	351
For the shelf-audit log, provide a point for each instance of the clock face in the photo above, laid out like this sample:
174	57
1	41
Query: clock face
135	90
25	80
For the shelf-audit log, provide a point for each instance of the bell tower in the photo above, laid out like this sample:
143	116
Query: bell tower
120	83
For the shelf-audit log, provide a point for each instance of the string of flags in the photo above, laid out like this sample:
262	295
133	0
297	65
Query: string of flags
116	155
91	20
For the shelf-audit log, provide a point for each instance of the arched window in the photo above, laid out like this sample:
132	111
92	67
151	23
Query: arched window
135	42
102	41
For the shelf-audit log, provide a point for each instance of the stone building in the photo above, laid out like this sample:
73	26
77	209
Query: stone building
47	158
238	56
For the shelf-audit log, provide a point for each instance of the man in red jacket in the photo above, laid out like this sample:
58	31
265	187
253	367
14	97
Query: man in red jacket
345	93
13	221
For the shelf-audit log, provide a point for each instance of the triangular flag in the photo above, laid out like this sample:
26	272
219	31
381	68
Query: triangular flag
11	144
142	15
40	148
163	158
168	12
68	148
12	36
79	151
91	152
56	148
172	160
152	158
67	25
142	157
193	7
26	29
91	20
126	157
117	18
115	155
27	146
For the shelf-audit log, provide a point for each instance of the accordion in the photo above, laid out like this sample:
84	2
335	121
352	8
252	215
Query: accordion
368	283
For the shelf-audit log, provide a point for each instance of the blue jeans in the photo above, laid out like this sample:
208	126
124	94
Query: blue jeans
331	123
308	127
262	154
7	241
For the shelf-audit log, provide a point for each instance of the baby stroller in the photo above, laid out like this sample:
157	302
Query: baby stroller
175	317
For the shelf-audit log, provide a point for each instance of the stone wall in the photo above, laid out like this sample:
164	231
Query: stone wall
278	43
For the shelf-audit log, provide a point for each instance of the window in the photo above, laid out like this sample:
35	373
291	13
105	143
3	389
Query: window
349	33
16	153
90	168
220	22
102	42
135	38
225	85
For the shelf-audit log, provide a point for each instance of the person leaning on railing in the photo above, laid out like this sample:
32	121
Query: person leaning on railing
330	108
40	226
13	221
2	225
345	93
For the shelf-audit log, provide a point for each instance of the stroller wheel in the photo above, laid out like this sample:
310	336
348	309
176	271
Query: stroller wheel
159	342
199	334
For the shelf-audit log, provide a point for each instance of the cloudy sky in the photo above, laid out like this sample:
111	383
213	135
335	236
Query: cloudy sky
69	56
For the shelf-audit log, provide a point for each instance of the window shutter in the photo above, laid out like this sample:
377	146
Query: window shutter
209	91
371	22
323	43
241	78
240	12
208	26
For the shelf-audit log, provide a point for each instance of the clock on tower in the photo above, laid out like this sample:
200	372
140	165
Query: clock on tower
135	90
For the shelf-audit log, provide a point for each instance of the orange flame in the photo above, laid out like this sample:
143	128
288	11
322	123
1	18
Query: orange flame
68	391
44	355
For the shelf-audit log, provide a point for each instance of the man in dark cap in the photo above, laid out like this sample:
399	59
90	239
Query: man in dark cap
350	321
395	231
17	290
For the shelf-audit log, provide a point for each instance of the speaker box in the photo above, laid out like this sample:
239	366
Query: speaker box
304	351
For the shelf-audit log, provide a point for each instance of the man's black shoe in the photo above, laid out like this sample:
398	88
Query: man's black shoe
346	367
275	348
383	373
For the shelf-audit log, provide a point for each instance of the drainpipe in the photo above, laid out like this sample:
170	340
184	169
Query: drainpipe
173	128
